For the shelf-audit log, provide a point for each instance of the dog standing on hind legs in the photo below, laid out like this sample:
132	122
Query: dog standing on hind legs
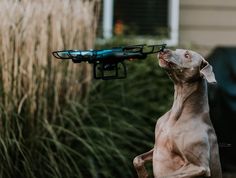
185	141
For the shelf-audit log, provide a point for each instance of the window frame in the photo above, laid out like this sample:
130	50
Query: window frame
173	23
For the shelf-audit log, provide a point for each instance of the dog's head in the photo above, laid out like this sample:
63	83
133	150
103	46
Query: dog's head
185	65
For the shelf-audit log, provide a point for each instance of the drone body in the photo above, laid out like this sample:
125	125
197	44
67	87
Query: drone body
108	63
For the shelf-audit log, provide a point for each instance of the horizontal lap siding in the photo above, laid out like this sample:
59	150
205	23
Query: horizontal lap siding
219	3
208	23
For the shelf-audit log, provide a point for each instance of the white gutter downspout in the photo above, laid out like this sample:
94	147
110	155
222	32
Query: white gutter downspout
108	18
173	20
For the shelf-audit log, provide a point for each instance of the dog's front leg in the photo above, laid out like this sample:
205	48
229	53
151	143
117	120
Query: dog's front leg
189	171
139	162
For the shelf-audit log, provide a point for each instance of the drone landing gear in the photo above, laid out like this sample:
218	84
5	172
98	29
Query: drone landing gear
108	71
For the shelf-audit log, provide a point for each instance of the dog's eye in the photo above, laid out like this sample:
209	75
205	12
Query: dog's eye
187	55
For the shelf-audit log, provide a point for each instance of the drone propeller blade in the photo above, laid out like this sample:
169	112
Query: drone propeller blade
155	48
61	54
134	48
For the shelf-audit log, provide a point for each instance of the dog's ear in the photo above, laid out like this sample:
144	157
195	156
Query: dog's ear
207	71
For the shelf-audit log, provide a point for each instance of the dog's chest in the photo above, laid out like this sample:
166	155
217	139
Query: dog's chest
166	153
163	139
164	136
167	133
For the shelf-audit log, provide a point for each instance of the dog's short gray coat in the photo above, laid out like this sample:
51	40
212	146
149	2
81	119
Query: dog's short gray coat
185	141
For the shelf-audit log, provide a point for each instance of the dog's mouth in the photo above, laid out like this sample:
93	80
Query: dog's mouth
165	59
163	62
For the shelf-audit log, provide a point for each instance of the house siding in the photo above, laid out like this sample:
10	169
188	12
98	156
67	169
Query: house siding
207	24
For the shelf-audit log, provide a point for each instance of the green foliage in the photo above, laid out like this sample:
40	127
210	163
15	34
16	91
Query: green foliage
97	138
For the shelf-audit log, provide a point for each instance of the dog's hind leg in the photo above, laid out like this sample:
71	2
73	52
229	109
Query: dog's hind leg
189	171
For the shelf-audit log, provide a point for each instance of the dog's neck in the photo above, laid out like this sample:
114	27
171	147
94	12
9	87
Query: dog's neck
189	97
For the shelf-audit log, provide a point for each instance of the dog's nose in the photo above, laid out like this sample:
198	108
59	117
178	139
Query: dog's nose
165	51
161	53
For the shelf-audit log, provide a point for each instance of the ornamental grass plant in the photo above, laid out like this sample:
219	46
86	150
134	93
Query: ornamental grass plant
56	121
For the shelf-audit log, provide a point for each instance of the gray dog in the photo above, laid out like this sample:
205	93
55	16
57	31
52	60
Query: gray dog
185	141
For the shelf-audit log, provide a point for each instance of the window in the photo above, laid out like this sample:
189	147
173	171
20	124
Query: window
149	20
